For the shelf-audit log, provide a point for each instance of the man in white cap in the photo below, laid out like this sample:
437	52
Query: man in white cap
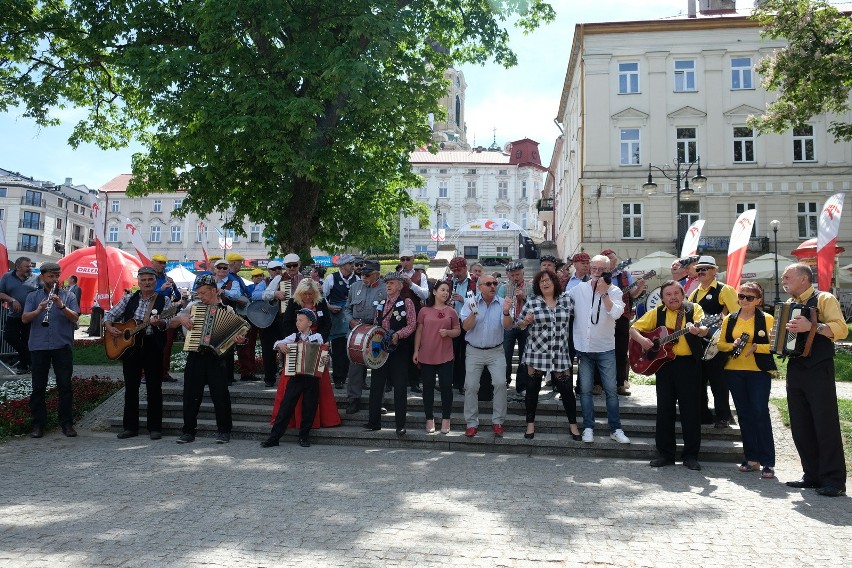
335	289
416	287
714	298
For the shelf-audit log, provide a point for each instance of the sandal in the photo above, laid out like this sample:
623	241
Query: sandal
767	473
748	466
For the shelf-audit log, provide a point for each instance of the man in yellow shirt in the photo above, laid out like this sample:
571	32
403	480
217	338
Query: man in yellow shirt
811	391
678	380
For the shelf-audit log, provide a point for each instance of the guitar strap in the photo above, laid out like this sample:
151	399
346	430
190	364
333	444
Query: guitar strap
147	316
679	319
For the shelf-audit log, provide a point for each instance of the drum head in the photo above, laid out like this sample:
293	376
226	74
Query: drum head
712	348
365	346
653	300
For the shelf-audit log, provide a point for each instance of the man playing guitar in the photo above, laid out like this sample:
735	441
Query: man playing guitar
623	280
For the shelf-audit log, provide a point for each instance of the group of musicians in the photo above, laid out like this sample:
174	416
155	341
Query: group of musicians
705	311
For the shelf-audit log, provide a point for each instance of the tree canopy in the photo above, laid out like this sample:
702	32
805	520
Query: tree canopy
813	73
297	115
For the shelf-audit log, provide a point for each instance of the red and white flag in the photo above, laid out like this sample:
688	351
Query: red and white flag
738	246
102	297
4	252
202	236
690	240
138	242
827	230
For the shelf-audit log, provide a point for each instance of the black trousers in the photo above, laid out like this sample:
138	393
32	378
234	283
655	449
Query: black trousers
459	348
444	371
815	422
339	360
622	338
148	357
394	371
298	385
17	335
563	382
206	368
713	372
679	383
268	337
62	360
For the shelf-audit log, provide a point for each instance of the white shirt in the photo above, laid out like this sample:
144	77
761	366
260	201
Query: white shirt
420	288
594	326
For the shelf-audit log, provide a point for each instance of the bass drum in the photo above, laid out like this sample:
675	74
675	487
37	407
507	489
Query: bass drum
364	345
653	299
262	313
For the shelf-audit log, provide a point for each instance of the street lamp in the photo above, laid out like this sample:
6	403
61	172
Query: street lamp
698	182
775	223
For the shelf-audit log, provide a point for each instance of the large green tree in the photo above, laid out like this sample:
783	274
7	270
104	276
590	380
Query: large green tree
299	115
813	73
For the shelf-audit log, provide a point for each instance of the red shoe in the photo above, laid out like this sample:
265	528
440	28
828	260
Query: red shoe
498	430
470	432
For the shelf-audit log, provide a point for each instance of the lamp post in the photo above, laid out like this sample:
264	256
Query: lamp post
681	173
775	223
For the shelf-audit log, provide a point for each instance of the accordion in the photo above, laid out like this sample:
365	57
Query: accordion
287	287
214	328
786	343
306	359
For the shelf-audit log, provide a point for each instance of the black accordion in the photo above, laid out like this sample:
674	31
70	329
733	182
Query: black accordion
786	343
214	328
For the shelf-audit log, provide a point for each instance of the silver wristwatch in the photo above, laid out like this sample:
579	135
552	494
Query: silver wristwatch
820	328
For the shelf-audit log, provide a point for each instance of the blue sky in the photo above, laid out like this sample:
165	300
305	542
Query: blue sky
519	102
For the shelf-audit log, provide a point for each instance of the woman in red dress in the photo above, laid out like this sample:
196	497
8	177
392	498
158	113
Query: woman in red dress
308	294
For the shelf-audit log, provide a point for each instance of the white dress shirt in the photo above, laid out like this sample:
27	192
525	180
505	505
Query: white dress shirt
594	325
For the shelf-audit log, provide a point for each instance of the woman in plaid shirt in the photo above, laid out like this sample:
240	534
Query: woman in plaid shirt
547	315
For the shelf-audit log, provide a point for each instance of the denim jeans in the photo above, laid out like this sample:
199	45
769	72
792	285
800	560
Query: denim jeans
605	363
750	390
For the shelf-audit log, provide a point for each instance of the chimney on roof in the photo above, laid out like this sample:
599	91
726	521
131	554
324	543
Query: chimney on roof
67	181
690	8
717	7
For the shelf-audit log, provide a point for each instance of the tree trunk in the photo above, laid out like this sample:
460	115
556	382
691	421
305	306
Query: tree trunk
301	215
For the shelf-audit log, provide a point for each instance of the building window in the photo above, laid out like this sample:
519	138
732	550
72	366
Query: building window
686	145
442	220
690	212
442	171
235	238
177	204
502	190
684	75
502	251
631	221
629	147
58	224
115	206
91	237
471	252
76	208
59	202
33	199
471	190
741	73
2	214
423	191
254	233
158	206
421	249
742	208
807	219
201	234
31	220
112	234
628	78
28	243
423	171
502	216
523	189
175	234
503	172
155	233
3	194
524	220
743	144
442	189
803	143
77	233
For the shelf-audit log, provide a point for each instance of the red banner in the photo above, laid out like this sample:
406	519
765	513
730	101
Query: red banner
738	246
827	231
102	297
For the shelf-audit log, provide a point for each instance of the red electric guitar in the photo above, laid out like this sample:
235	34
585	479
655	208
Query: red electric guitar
629	308
648	362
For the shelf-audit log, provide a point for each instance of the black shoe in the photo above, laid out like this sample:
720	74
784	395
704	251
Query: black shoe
371	427
416	390
69	431
354	407
304	442
127	434
829	491
384	411
339	386
38	432
388	388
531	435
269	442
801	484
720	424
223	437
169	379
660	462
155	435
248	379
185	439
692	464
269	383
401	432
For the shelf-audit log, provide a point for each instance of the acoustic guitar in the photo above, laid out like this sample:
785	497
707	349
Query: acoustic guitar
117	346
648	362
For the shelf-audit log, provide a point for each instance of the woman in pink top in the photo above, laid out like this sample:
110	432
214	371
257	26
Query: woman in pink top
437	325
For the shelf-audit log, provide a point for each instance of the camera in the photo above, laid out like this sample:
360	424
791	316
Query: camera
607	277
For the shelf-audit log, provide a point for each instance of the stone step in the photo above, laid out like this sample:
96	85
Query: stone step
485	441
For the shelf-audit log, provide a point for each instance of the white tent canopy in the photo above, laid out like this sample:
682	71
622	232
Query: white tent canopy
659	261
183	278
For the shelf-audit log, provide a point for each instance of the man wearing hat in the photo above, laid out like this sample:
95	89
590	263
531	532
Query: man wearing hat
51	345
416	287
233	293
335	289
208	268
714	298
519	290
166	287
582	270
364	297
15	285
623	280
145	355
547	262
256	276
461	283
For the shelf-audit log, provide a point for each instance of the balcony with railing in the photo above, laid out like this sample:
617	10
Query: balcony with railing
720	244
30	201
545	209
28	247
31	224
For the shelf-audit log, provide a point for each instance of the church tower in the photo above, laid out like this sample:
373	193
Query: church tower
452	134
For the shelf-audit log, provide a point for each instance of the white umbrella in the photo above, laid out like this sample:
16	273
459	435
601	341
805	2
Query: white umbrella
660	262
183	278
763	267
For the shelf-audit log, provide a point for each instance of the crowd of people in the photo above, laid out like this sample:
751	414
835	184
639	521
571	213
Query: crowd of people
458	334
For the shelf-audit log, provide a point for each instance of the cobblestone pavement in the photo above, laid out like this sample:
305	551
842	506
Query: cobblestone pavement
98	501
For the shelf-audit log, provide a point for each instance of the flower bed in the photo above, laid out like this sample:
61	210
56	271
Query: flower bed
15	417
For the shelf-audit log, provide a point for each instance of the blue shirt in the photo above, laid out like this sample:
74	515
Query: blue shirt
60	333
158	287
488	329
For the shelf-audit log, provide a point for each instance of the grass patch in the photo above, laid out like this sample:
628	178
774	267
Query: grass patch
844	408
95	354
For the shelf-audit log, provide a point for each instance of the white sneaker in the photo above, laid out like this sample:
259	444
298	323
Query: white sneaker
619	437
588	435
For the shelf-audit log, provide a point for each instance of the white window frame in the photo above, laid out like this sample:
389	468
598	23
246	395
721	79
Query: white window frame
177	204
255	233
502	215
524	220
802	150
471	189
523	189
684	76
634	212
744	143
423	191
202	236
807	213
742	74
502	189
686	146
114	206
742	208
502	250
442	220
175	234
628	78
156	234
112	234
443	189
157	206
629	148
